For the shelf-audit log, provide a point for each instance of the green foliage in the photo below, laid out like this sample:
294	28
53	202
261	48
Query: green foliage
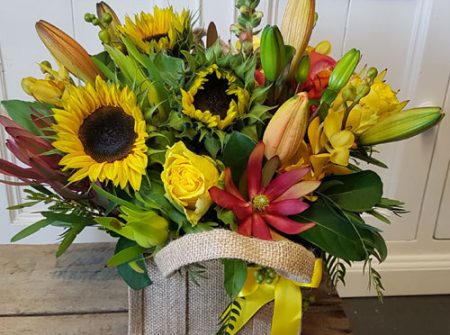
337	269
196	272
134	279
235	274
22	112
71	215
365	154
356	192
374	279
236	153
31	229
126	255
229	317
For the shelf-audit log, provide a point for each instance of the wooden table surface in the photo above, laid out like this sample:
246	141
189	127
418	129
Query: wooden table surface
77	295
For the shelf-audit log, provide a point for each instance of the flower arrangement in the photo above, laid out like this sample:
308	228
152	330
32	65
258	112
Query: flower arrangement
171	132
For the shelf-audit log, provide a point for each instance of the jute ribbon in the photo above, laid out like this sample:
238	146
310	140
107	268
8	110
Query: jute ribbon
289	259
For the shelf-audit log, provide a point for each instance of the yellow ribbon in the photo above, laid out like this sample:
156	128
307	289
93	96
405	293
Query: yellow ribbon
287	297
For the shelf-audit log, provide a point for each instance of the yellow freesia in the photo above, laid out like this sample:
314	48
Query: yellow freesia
187	177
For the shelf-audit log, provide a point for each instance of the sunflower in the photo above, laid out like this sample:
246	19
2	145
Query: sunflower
215	98
157	31
102	132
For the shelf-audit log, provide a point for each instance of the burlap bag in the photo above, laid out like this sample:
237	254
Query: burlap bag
175	305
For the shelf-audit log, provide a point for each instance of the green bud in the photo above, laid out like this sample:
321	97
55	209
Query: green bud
104	36
402	125
271	274
348	94
362	90
107	18
244	10
272	52
88	17
344	70
372	73
303	70
46	63
95	21
259	277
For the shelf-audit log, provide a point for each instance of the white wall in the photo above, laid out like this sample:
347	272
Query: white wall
410	37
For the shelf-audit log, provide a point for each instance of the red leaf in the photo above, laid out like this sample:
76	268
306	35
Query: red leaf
287	225
229	185
260	228
283	182
287	207
245	228
254	170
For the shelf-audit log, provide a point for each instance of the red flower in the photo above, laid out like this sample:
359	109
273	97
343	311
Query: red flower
319	74
266	206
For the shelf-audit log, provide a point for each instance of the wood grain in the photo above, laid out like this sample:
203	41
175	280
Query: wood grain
76	295
85	324
34	282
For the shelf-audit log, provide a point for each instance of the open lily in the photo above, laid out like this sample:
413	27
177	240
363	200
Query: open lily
266	205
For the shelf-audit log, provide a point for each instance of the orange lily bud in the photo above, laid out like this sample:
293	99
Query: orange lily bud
67	51
296	27
287	128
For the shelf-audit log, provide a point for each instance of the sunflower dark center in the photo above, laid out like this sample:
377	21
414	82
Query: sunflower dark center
213	97
156	37
108	134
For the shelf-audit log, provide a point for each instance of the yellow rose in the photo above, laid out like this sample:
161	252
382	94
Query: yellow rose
187	177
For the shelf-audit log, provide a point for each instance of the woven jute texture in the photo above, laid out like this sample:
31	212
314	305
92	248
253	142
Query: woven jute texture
289	259
175	305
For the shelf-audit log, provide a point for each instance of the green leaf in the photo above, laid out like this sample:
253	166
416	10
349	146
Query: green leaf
212	145
116	226
333	234
361	154
31	229
69	237
235	274
357	192
236	153
134	280
21	111
126	255
24	205
113	198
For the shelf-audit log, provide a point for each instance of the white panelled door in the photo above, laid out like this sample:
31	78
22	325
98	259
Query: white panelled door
409	37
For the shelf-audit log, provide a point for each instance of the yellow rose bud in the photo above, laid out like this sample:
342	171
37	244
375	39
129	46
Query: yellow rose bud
187	177
287	128
48	91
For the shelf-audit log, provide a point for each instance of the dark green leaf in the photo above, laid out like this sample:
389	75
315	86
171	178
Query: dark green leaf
236	153
135	280
362	155
235	274
357	192
31	229
333	234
